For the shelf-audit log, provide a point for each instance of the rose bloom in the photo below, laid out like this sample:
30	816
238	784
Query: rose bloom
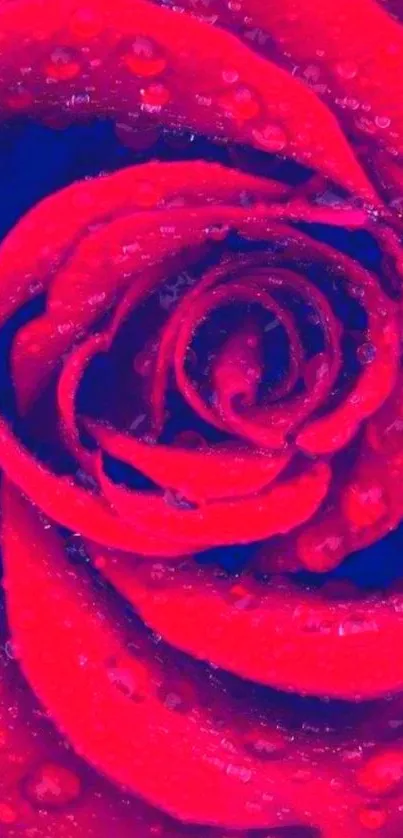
201	429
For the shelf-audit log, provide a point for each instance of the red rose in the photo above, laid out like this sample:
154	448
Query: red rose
203	369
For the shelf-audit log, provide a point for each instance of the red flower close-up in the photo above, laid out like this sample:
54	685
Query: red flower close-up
201	422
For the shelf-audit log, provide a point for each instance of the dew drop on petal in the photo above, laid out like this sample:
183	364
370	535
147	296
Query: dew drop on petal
18	99
85	23
319	551
311	73
265	745
382	773
154	96
217	232
241	104
230	76
348	102
62	65
366	125
372	818
158	575
123	680
366	353
174	498
178	694
356	624
11	650
364	507
382	121
129	677
271	138
241	597
52	785
78	101
8	814
240	771
346	69
144	58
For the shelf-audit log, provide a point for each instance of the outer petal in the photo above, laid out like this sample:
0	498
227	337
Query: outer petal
188	88
45	789
104	683
359	68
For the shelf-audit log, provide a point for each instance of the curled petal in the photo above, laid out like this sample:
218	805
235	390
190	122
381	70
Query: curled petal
199	475
277	510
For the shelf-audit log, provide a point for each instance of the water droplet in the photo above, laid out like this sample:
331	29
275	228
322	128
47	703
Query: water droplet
18	99
123	680
311	73
85	479
346	69
240	771
75	550
129	677
271	138
52	785
366	353
241	597
356	291
353	755
319	550
176	499
158	574
217	232
364	506
172	701
144	58
154	97
178	694
241	104
36	286
356	624
62	65
372	817
65	328
317	625
230	76
349	102
382	121
85	23
265	745
366	125
78	100
8	814
382	773
11	650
